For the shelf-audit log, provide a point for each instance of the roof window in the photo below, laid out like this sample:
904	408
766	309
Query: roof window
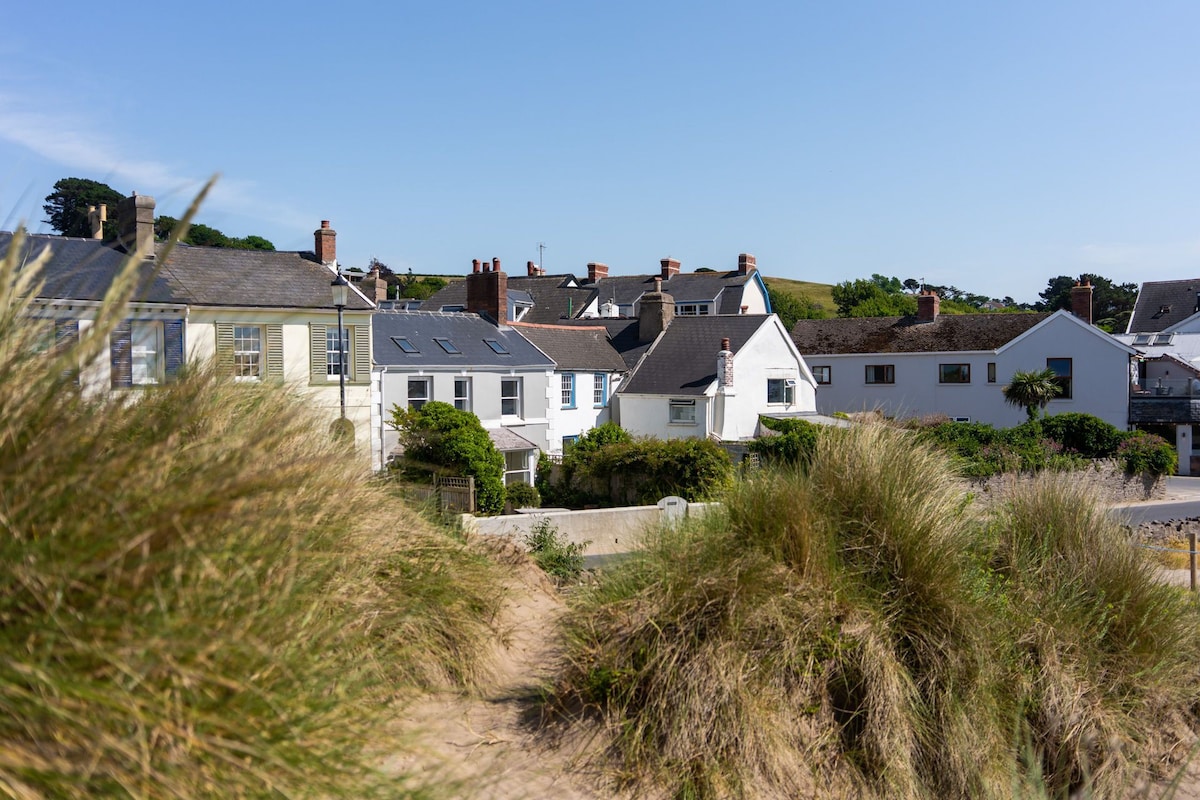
447	345
404	344
496	346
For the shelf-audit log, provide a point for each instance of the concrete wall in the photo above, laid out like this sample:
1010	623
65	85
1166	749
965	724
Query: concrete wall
607	531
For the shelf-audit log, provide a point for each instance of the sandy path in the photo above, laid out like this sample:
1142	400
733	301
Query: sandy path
479	745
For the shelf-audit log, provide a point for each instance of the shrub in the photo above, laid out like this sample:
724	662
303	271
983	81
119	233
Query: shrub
1146	453
794	442
557	556
438	433
1085	434
192	602
522	495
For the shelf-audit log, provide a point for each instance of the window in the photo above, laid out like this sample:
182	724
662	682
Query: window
954	373
568	441
247	353
781	391
447	345
683	412
404	344
496	346
516	467
692	309
145	352
881	373
568	391
462	394
991	372
599	389
418	392
1142	339
1161	339
510	397
1062	376
332	369
823	375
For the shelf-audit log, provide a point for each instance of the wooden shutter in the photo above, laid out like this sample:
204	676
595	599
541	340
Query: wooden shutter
274	354
66	334
224	348
316	353
361	353
121	350
173	345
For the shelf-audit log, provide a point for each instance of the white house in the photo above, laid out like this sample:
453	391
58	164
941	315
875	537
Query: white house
712	375
957	365
264	315
587	371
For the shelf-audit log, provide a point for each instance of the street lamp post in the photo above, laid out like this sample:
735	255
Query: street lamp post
341	293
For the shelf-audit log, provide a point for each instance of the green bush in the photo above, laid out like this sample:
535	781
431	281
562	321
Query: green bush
645	470
1085	434
440	434
794	443
1143	452
552	552
522	495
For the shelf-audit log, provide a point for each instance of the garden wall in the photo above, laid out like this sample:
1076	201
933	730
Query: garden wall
1106	479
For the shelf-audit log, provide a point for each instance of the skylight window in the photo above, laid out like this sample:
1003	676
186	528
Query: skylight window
447	345
1141	339
496	346
404	344
1163	338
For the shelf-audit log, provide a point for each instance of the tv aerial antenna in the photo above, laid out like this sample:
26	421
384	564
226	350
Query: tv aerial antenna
541	246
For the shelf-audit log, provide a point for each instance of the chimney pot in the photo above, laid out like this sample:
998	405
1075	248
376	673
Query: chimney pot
325	243
487	291
725	343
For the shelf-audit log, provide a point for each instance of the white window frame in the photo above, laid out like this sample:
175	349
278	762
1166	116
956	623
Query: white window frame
567	394
787	389
462	399
681	412
693	309
521	475
416	401
599	390
513	393
331	353
248	358
146	352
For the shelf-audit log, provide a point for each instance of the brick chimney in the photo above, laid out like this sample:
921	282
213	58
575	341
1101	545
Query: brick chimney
670	266
1081	301
725	369
374	286
135	224
533	270
928	305
597	271
655	313
325	243
746	264
97	216
487	290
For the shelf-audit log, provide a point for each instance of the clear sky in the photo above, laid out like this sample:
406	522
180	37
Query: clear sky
985	145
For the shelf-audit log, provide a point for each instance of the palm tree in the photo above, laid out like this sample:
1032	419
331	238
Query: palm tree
1032	390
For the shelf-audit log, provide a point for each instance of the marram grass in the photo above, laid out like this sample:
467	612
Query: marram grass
201	593
848	631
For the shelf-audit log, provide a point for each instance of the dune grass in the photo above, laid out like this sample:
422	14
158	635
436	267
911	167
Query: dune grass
849	630
202	594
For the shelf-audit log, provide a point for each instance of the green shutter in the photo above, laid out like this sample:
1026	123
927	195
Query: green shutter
361	353
274	354
224	348
316	353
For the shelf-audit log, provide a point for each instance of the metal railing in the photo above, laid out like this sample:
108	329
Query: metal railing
1165	388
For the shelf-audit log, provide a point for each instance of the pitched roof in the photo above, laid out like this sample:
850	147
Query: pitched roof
947	333
467	333
724	288
1161	304
683	360
554	296
623	335
83	269
574	347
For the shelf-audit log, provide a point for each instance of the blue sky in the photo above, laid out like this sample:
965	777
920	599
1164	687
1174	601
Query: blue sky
990	146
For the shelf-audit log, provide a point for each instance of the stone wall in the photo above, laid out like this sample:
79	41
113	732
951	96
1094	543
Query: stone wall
1106	479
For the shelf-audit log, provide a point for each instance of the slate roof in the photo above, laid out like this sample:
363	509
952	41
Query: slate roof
575	347
552	296
724	288
947	333
1161	304
82	269
467	332
683	361
623	335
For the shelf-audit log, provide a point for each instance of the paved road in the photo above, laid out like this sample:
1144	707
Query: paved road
1182	502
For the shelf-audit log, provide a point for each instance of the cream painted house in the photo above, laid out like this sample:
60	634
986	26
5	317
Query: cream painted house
263	315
